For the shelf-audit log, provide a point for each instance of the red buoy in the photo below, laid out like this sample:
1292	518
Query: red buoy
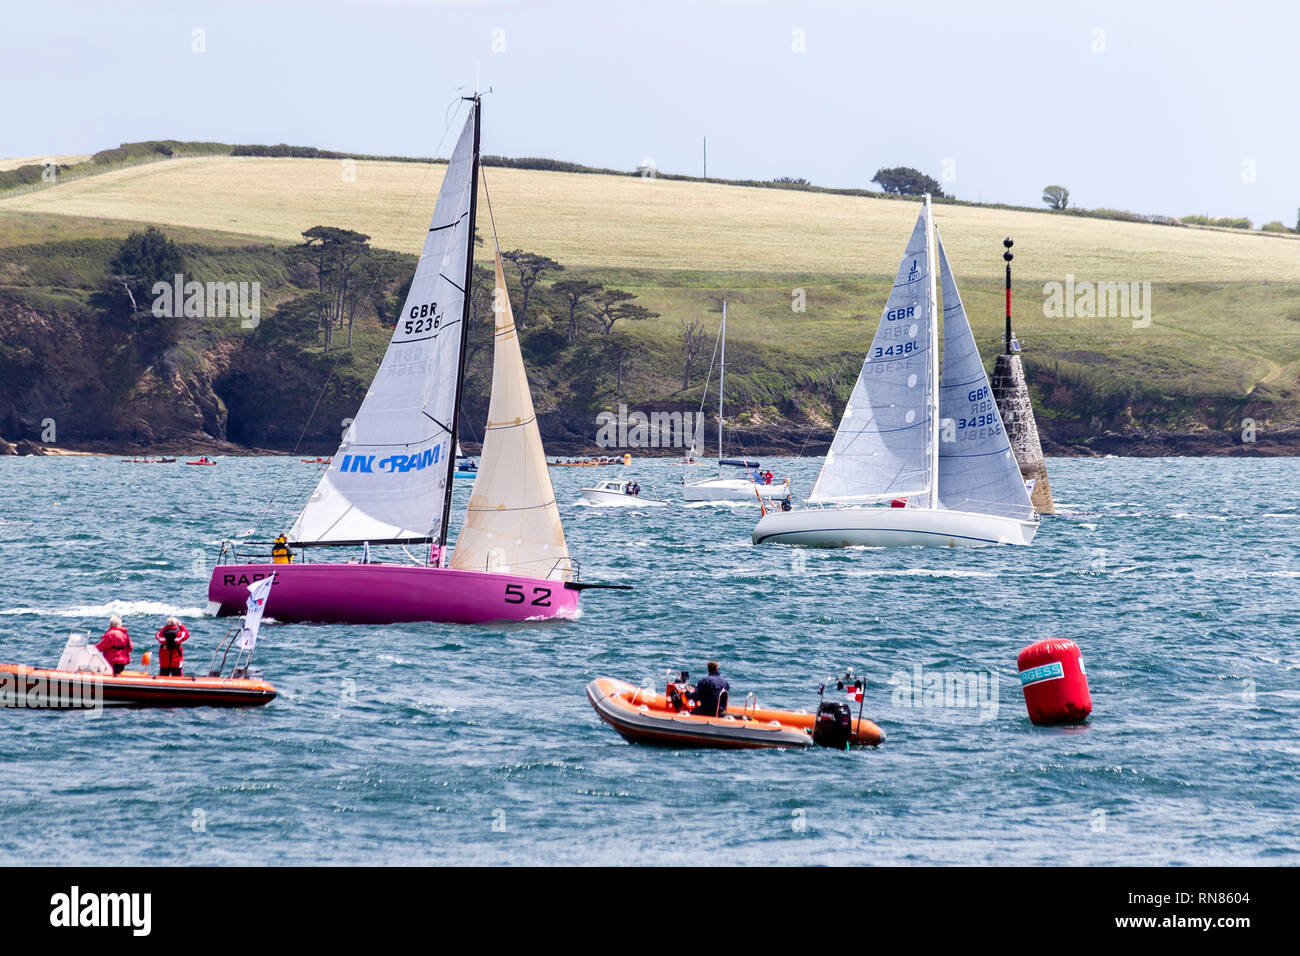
1054	682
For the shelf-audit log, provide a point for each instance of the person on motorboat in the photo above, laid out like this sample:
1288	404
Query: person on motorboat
116	645
171	658
280	553
711	693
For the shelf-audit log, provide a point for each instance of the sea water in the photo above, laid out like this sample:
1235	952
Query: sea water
431	743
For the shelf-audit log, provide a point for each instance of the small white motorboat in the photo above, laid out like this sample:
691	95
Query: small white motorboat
619	493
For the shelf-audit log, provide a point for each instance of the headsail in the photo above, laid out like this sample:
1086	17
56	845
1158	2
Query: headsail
388	480
512	525
697	440
885	443
977	469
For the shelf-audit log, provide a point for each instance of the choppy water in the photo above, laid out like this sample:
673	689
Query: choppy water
438	743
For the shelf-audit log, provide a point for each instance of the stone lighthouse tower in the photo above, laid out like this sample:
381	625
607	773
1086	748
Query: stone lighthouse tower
1012	395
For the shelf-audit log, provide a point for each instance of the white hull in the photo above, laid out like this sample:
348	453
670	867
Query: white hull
732	489
891	528
618	499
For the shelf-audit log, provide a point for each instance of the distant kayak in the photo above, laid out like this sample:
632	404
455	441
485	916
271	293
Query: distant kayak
624	460
201	461
643	716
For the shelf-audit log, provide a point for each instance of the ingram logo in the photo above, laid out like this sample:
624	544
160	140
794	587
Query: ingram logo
393	464
76	909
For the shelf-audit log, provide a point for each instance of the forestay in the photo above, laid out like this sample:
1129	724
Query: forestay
885	443
388	478
512	525
977	468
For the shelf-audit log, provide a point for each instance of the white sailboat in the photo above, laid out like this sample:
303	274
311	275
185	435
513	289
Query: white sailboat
740	487
908	432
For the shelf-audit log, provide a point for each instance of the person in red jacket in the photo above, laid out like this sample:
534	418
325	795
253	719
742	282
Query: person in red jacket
170	656
116	645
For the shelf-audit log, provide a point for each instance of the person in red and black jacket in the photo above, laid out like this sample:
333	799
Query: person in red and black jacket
170	656
116	645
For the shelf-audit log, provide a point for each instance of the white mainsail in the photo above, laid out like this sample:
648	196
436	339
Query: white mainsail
512	525
885	445
389	477
977	469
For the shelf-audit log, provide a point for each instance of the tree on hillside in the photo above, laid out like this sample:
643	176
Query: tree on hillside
614	305
142	259
339	256
126	297
692	343
295	322
1058	197
577	295
620	348
905	181
531	267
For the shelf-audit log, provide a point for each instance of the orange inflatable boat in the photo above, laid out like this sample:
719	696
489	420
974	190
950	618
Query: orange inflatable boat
39	687
645	717
84	680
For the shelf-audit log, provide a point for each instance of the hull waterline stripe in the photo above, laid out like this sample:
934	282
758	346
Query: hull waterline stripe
937	534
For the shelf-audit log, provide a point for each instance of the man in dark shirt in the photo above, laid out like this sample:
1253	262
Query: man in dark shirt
711	694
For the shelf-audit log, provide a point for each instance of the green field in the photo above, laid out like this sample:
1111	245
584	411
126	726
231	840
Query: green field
1223	341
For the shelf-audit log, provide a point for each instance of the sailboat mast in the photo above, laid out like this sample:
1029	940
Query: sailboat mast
932	366
464	332
722	374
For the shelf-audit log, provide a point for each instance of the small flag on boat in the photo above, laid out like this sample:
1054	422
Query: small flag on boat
257	594
855	692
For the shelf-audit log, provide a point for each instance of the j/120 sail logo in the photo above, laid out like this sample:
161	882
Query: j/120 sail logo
392	464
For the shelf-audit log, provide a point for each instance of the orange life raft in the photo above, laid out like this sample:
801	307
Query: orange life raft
645	717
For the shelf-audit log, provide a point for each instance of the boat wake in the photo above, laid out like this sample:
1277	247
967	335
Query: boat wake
123	609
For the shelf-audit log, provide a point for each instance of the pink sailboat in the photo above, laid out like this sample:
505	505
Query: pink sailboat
390	482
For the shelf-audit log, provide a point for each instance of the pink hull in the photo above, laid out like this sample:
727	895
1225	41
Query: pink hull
391	594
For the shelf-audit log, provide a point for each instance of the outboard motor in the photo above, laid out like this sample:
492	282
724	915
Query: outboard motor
834	725
679	691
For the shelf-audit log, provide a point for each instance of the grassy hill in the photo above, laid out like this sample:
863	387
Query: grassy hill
1223	342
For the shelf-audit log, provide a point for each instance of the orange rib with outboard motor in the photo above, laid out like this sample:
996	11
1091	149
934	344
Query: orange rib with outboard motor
643	716
40	687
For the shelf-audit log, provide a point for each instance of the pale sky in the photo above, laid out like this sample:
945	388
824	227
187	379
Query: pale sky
1169	108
